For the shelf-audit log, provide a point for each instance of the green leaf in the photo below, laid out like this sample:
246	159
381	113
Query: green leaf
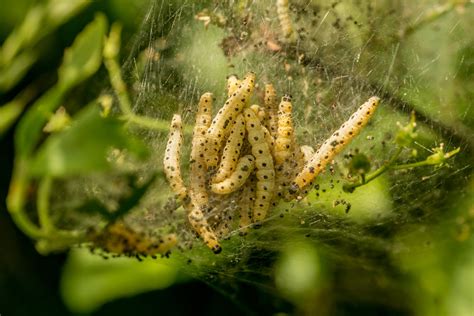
88	281
83	147
28	132
84	57
17	54
16	70
12	110
81	60
59	11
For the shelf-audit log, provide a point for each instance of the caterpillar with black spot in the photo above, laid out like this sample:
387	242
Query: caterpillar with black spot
285	137
172	159
283	11
242	171
261	114
117	238
271	108
233	83
223	120
201	226
198	173
331	147
231	152
263	163
246	201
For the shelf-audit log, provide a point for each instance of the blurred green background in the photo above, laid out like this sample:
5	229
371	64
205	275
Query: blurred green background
29	282
428	268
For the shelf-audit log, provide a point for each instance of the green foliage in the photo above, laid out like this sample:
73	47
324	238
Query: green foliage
89	282
83	147
80	62
384	226
17	54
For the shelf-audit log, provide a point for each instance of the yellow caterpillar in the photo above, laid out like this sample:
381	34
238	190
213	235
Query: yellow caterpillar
285	137
261	114
231	152
198	173
283	11
201	226
335	144
269	139
263	163
246	201
173	174
116	238
223	120
242	171
171	161
232	85
271	108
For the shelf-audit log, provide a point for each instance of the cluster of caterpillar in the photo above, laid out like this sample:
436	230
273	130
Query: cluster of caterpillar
246	158
118	239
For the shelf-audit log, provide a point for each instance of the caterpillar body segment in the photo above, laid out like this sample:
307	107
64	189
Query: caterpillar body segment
271	108
331	147
198	175
246	202
260	113
287	171
307	151
242	171
223	120
232	149
233	83
117	238
172	159
263	163
270	140
283	11
201	226
285	134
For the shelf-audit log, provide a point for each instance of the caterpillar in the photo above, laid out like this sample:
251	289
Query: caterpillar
117	238
331	147
231	152
171	161
198	173
247	197
269	139
201	226
264	164
285	137
233	83
222	122
271	108
283	11
242	171
261	114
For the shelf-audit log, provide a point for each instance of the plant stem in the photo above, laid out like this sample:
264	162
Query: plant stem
44	190
118	85
125	105
410	165
350	187
150	123
16	199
